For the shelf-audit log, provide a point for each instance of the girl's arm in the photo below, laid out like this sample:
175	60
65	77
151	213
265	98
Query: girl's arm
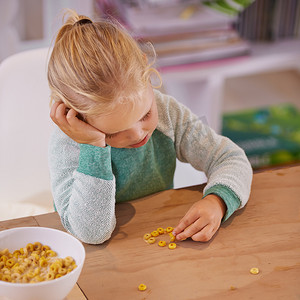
83	184
225	164
83	188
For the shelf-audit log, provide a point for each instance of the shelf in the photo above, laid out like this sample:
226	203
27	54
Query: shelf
210	88
264	57
201	86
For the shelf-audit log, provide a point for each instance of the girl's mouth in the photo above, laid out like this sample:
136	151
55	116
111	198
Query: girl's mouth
141	143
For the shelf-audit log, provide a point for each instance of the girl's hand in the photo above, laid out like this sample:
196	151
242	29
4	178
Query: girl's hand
76	129
202	220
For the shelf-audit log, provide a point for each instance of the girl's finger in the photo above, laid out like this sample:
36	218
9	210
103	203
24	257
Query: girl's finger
61	115
71	117
76	123
53	111
190	217
183	224
205	234
193	229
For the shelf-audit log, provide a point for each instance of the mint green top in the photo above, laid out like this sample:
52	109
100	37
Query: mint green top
88	180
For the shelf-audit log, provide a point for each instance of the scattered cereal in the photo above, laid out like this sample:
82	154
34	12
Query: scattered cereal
142	287
160	230
155	233
151	240
172	237
162	243
172	246
147	236
169	229
254	271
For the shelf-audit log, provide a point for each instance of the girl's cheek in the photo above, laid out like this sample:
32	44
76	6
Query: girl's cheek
116	142
154	121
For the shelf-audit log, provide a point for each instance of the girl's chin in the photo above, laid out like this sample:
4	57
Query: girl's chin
137	145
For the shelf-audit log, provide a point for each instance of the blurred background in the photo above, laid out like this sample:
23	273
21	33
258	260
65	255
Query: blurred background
235	63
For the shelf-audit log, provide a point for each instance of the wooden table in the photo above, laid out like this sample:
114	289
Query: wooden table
265	234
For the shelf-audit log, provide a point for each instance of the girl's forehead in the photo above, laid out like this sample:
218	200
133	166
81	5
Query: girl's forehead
124	115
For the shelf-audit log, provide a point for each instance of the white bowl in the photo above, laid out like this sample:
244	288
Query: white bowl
62	243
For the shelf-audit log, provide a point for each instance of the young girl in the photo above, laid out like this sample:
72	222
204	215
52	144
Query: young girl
117	138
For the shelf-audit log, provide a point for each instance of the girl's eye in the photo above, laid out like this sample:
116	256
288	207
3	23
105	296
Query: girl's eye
147	115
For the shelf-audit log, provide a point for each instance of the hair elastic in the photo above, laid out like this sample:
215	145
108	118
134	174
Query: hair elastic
83	22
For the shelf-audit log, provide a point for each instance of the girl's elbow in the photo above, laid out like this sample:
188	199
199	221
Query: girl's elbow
93	234
98	238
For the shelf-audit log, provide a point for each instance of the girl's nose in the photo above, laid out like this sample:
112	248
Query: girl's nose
136	134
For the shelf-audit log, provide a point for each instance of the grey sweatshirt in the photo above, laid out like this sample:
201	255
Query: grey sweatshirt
87	180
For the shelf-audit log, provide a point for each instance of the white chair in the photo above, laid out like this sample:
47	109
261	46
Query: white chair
25	127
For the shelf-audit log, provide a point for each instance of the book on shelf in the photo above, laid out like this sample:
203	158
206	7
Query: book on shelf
192	47
270	20
157	21
148	16
183	32
270	136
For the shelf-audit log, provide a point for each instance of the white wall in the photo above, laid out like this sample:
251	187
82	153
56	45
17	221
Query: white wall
30	24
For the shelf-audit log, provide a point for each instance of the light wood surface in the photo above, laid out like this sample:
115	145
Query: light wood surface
265	234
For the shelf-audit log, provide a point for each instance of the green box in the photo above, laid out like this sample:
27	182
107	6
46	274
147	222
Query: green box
270	136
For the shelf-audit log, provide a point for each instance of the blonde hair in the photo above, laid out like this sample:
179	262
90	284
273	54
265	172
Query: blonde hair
98	62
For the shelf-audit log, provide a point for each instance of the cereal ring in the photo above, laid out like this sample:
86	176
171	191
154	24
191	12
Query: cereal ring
37	271
62	271
147	236
155	233
151	240
162	243
68	261
49	276
30	247
15	276
30	274
6	277
3	258
160	230
4	252
10	262
172	237
50	253
254	271
16	253
37	246
39	278
45	248
169	229
172	246
142	287
43	262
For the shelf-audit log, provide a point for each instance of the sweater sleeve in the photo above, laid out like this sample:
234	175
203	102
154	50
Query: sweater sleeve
226	166
83	187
